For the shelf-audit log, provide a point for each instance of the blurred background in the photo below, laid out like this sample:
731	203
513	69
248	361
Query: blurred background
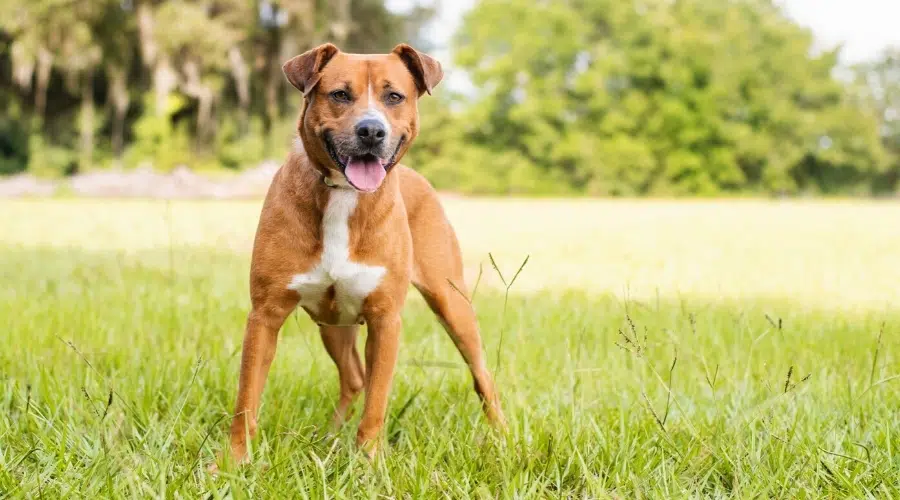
590	97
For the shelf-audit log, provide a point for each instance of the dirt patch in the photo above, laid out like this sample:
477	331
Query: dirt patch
181	183
25	185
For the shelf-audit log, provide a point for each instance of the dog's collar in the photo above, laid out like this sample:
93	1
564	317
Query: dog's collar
328	182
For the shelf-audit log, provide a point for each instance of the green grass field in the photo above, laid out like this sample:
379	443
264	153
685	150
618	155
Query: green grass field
648	349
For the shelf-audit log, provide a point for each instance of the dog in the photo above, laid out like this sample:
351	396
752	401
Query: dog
345	229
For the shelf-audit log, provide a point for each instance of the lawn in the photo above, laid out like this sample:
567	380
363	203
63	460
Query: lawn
648	349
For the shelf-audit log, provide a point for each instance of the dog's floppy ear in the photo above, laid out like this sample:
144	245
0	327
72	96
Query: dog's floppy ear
424	68
303	71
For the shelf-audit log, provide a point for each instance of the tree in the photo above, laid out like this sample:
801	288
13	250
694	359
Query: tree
880	90
660	96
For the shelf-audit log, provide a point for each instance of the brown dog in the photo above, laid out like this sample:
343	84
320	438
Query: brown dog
344	230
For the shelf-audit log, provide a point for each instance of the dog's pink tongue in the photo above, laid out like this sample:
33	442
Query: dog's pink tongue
365	174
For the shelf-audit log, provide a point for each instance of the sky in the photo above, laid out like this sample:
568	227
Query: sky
864	27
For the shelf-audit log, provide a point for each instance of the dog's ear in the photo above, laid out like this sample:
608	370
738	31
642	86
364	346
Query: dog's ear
425	69
304	71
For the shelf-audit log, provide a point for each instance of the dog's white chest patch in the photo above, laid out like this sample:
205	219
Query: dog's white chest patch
352	282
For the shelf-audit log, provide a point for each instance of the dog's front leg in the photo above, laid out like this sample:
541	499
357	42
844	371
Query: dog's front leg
260	340
382	344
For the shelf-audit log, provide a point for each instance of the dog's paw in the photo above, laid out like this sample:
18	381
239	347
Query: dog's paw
369	448
237	456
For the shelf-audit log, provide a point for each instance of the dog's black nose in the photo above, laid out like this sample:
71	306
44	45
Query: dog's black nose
370	132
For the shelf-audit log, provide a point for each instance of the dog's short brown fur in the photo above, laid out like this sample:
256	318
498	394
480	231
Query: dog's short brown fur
347	256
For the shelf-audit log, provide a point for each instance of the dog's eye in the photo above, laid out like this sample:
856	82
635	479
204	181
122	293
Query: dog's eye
395	98
340	96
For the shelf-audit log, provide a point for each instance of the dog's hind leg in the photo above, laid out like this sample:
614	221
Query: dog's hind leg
456	315
437	262
340	342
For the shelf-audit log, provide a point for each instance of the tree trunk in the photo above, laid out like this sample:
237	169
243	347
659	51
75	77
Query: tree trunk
194	87
241	75
22	66
164	77
205	126
283	44
44	65
118	96
149	47
272	77
341	24
164	81
87	120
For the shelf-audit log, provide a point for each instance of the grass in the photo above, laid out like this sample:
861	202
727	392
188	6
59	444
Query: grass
649	349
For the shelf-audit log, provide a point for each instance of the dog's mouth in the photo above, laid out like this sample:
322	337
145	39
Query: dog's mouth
364	172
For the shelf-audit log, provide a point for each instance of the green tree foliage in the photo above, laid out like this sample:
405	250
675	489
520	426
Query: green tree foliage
650	97
879	83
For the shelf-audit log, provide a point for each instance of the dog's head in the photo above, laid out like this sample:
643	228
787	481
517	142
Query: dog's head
360	112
